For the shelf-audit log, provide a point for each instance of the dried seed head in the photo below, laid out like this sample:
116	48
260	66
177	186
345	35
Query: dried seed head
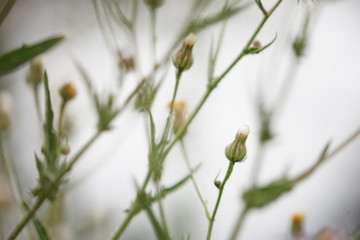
5	110
236	151
297	224
68	91
183	59
36	72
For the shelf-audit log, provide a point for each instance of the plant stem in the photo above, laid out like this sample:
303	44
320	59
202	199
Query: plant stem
40	200
162	212
37	103
239	224
193	180
221	189
61	118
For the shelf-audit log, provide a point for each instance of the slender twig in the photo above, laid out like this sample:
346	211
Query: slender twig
61	118
221	190
239	224
193	180
162	212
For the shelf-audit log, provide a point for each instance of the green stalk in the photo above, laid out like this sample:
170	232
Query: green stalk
221	190
193	180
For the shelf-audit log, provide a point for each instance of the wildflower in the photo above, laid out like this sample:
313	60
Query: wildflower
179	108
183	59
35	74
236	151
68	91
5	109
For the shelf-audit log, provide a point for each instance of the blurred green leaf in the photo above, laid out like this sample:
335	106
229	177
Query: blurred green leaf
13	59
39	226
51	147
258	197
5	8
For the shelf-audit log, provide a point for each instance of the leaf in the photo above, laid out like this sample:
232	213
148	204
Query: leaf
13	59
39	226
6	9
51	141
258	197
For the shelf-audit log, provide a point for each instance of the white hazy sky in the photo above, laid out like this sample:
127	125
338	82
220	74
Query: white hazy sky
323	105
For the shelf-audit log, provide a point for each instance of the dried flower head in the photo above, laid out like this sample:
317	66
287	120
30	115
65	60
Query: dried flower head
36	72
179	108
68	91
183	59
236	151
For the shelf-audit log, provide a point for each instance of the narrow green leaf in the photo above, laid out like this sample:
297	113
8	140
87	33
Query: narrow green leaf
5	9
258	197
51	142
13	59
39	226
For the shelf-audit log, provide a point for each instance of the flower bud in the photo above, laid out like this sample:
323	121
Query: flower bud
127	62
153	4
256	44
217	183
36	71
179	108
67	91
65	149
297	224
183	59
5	109
236	151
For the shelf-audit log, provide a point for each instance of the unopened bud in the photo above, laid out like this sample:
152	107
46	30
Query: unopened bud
5	110
127	62
217	183
67	91
256	44
183	59
153	4
36	71
65	149
236	151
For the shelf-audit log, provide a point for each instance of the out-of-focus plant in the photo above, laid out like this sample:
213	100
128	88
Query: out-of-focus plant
56	160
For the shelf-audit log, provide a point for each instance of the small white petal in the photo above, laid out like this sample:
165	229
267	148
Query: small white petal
190	39
244	130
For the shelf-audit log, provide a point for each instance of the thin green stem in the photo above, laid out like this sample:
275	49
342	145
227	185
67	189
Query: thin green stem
40	200
162	212
61	118
153	34
238	224
221	190
193	180
37	103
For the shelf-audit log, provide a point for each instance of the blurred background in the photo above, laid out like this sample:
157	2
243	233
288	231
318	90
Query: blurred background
322	104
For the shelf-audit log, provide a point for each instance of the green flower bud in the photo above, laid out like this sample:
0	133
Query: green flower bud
236	151
183	59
